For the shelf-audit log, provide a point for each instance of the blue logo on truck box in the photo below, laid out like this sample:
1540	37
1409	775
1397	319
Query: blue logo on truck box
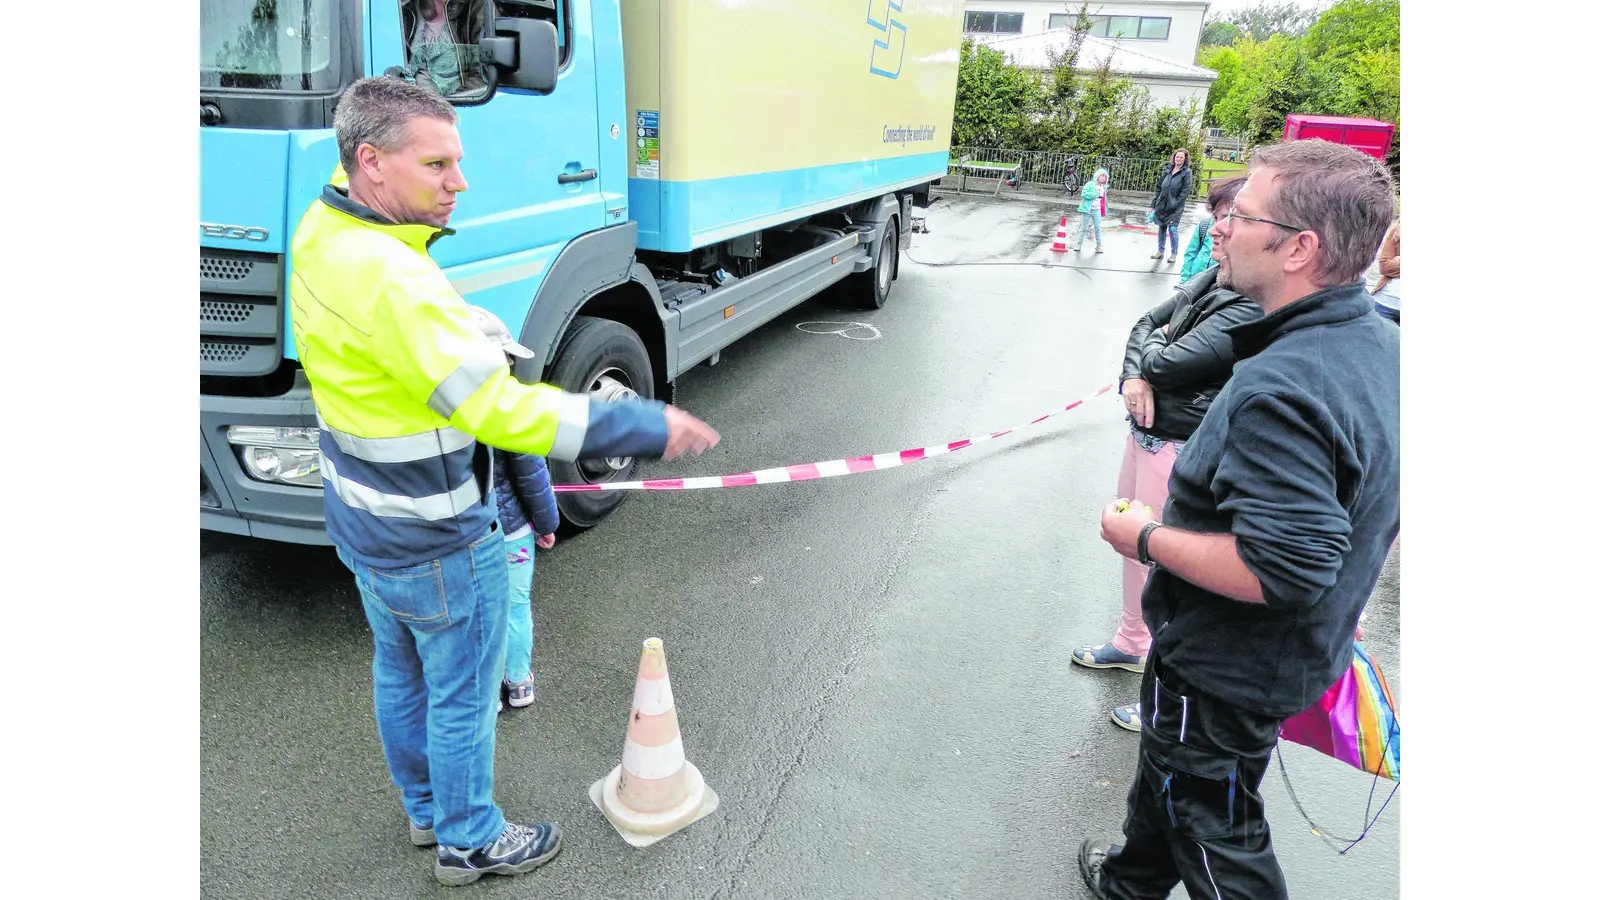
893	46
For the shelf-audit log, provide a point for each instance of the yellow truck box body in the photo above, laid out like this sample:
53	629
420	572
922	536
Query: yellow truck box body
750	113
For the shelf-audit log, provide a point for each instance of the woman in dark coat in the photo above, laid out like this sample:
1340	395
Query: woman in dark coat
1172	194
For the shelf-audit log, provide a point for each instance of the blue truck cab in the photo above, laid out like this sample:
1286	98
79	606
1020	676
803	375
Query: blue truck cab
633	208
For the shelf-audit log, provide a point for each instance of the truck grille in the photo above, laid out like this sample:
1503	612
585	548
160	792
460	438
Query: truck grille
241	312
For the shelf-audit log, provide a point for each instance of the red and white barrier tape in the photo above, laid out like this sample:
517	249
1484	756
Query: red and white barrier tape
808	471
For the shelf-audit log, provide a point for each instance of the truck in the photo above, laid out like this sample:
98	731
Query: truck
1370	136
649	181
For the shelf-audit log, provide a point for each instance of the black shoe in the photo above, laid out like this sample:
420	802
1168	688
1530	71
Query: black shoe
519	849
1092	855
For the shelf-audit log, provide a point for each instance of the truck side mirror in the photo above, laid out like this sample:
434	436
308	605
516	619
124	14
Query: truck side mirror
524	54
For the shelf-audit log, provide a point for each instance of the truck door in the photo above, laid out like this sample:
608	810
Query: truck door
529	160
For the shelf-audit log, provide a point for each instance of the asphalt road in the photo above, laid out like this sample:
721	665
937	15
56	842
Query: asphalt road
871	671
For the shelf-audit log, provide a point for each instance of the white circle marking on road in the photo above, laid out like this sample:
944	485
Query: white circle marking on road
844	329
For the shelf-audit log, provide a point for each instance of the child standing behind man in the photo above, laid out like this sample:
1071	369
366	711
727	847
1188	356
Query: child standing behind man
528	518
1092	209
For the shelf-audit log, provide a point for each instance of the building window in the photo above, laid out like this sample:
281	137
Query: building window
994	23
1063	20
1141	28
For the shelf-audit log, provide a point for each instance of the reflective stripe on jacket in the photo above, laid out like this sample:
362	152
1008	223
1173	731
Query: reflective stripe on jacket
406	385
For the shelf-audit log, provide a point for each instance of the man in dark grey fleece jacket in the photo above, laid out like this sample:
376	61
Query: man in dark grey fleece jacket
1282	508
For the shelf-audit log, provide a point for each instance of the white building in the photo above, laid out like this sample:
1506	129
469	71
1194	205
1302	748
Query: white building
1165	29
1169	83
1149	42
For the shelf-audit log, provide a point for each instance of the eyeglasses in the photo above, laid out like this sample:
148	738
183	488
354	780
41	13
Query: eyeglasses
1235	214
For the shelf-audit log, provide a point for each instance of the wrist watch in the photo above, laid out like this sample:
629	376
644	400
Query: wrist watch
1144	542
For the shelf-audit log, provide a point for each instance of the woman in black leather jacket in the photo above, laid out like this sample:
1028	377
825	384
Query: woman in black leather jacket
1177	360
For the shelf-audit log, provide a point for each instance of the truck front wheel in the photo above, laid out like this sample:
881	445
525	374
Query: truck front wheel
608	361
870	289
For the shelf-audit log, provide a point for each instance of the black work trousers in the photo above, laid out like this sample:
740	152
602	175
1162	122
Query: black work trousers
1195	812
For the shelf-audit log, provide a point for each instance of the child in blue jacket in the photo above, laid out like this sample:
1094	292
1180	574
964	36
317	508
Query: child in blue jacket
1094	191
528	518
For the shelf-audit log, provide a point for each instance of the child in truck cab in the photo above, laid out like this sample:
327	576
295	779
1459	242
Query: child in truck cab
528	518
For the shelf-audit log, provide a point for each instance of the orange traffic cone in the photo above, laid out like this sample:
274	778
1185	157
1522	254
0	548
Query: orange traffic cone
655	791
1060	246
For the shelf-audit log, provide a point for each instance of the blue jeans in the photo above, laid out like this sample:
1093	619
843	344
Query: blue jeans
439	638
1166	229
1083	227
519	622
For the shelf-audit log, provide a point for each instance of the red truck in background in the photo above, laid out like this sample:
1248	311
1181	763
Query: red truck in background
1370	136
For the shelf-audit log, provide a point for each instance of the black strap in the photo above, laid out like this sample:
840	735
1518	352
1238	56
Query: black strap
1144	542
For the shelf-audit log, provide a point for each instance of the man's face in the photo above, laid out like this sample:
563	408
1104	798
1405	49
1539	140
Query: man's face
419	181
1239	246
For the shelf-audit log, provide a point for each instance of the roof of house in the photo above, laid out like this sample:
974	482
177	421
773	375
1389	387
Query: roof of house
1031	51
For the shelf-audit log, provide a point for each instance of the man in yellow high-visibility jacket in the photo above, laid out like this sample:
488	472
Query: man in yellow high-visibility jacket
406	386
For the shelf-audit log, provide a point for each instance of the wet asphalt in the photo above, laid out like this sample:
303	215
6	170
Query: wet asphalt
871	671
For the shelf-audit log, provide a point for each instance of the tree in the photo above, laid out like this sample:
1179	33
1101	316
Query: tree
1265	18
1355	27
1346	64
994	99
1226	62
1219	34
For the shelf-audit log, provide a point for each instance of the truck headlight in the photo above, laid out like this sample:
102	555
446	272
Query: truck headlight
278	455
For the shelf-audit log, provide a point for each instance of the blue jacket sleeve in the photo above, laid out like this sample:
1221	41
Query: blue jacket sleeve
625	428
531	476
1277	481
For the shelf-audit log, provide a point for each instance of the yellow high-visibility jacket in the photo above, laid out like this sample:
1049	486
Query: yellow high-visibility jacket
406	385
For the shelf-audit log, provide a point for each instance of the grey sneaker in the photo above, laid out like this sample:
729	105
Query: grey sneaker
422	837
518	850
520	694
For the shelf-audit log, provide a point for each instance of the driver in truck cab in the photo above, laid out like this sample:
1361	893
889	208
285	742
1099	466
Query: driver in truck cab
408	392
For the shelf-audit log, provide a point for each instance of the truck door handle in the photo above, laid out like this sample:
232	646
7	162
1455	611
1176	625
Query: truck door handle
575	177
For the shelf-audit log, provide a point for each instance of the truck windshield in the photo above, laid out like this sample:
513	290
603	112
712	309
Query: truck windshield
275	45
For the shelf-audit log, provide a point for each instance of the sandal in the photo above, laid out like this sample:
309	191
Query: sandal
1107	656
1126	717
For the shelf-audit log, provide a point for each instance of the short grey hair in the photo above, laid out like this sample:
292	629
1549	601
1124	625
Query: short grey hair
378	111
1342	194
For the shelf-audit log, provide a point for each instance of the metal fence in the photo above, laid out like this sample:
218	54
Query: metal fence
1052	172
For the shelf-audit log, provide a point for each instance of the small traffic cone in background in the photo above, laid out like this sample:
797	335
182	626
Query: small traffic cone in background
655	791
1060	246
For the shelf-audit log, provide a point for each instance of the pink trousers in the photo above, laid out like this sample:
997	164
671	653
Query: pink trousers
1144	478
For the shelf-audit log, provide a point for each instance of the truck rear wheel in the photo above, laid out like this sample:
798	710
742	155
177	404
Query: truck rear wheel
870	289
608	361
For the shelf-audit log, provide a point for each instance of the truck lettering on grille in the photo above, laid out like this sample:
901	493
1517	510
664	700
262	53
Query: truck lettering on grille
233	232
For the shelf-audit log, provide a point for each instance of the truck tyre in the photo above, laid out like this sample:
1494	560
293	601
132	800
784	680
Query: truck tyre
870	289
607	360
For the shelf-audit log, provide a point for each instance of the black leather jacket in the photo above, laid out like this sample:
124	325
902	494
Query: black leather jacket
1189	364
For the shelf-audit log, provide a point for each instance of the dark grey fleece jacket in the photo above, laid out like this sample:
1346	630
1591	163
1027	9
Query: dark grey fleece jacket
1299	458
